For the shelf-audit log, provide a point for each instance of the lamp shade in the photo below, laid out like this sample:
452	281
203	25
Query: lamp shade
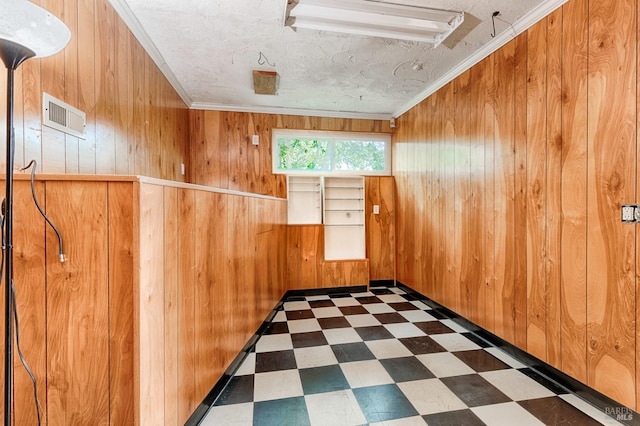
30	26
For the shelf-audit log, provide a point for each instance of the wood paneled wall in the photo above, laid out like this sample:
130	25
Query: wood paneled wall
76	317
206	284
223	156
136	122
510	181
142	319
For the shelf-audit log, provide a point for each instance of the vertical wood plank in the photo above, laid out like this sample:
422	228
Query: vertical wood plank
611	165
137	131
462	212
294	256
71	81
505	187
207	215
151	308
77	308
30	289
536	191
447	158
31	111
490	193
123	99
225	285
171	313
477	230
53	82
520	202
123	244
187	401
574	195
242	299
312	253
384	268
554	186
86	84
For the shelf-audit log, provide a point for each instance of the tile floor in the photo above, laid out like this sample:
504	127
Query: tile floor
384	358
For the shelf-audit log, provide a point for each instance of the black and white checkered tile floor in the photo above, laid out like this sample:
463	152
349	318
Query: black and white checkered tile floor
383	358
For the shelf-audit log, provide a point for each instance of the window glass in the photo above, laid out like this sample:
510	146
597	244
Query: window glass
307	151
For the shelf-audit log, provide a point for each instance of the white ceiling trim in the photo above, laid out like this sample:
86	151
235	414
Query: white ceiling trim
290	111
500	40
125	13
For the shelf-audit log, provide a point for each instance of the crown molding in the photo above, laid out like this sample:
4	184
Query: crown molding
126	14
290	111
521	25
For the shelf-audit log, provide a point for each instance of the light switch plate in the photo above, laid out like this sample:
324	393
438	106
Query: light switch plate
255	139
376	209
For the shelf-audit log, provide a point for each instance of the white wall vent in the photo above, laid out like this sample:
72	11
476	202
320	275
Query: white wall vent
62	116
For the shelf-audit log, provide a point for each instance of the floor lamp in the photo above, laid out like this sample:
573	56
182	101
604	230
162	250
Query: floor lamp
26	31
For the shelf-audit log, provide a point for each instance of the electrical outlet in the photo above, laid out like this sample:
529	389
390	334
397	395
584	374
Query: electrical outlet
630	213
376	209
255	139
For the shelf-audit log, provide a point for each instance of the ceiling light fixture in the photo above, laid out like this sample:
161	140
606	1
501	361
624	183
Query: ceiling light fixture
373	18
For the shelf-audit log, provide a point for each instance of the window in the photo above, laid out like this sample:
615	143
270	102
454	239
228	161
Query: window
308	151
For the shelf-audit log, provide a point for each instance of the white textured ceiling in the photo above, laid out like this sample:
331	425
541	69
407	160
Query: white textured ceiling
208	49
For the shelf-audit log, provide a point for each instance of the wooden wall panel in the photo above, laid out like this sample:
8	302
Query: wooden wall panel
240	241
611	283
223	279
187	401
106	73
29	280
505	186
341	273
294	257
536	191
380	228
477	226
554	116
171	305
122	246
77	315
520	201
490	193
447	160
140	322
554	186
462	193
205	337
440	214
574	195
150	308
312	254
224	157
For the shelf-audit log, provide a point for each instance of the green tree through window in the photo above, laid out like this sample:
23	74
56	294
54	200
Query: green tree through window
300	151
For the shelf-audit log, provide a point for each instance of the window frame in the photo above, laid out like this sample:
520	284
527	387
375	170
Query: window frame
333	136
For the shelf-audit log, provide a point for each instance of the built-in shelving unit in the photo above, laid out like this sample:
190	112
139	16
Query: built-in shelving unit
305	200
344	233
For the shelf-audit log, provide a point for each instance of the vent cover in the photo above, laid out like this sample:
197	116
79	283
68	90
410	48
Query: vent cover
62	116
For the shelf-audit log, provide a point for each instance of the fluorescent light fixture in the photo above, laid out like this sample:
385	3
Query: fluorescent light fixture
373	18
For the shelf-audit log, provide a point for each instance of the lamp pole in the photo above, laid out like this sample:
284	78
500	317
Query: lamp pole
12	55
26	31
